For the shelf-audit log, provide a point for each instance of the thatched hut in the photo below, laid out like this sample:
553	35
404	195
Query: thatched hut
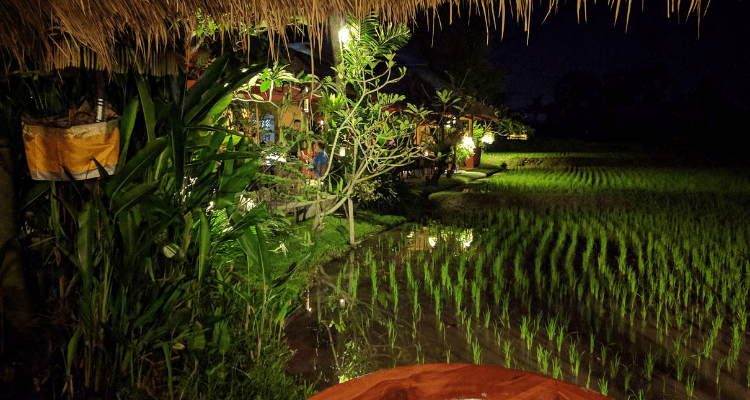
115	35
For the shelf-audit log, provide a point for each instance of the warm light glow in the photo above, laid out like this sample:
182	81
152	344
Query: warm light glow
432	240
345	36
342	303
342	151
466	237
487	139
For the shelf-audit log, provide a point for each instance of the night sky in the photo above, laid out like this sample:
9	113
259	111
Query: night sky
708	73
560	45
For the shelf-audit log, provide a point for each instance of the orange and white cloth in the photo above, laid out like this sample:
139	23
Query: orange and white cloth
48	149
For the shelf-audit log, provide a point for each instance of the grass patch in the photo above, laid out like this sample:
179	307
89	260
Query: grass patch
332	241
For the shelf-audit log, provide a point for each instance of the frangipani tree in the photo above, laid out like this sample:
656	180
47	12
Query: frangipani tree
371	127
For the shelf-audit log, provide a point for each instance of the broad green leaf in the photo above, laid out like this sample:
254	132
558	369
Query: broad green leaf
103	175
168	360
127	122
149	113
87	243
265	85
204	245
133	196
70	350
207	79
224	339
241	177
197	341
143	160
178	147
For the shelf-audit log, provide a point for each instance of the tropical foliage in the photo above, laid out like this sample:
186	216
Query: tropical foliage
169	270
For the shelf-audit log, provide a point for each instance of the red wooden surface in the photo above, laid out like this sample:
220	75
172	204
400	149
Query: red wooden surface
454	381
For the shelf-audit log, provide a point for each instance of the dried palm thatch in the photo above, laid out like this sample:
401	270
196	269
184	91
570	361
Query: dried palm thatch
114	34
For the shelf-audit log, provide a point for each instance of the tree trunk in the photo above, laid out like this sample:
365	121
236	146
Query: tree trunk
350	208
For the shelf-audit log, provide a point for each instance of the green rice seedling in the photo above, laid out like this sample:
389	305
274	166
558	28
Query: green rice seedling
525	326
476	297
496	290
560	337
690	386
478	267
603	386
588	379
476	350
556	368
679	362
429	280
718	368
354	283
444	278
505	314
394	286
392	333
614	366
591	344
648	367
438	303
508	350
604	355
416	308
487	316
409	275
458	295
542	358
551	328
628	377
374	279
575	359
462	270
747	377
736	345
448	355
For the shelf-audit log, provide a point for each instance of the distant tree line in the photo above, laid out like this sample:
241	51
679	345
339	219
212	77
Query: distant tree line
644	103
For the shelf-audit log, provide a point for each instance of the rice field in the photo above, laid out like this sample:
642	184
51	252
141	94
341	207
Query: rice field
644	301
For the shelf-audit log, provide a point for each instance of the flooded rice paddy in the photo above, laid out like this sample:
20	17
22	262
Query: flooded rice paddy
632	303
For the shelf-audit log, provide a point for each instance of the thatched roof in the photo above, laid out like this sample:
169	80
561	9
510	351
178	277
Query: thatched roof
107	34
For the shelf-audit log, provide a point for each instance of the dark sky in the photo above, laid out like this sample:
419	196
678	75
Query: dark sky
561	44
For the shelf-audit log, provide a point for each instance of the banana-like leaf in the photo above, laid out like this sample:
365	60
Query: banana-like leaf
217	109
127	226
103	174
127	122
256	250
241	177
224	339
86	244
201	192
204	245
219	90
70	350
178	147
168	360
207	79
149	113
143	160
137	194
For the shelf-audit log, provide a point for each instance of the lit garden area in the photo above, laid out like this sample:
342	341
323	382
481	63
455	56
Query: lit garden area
274	201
